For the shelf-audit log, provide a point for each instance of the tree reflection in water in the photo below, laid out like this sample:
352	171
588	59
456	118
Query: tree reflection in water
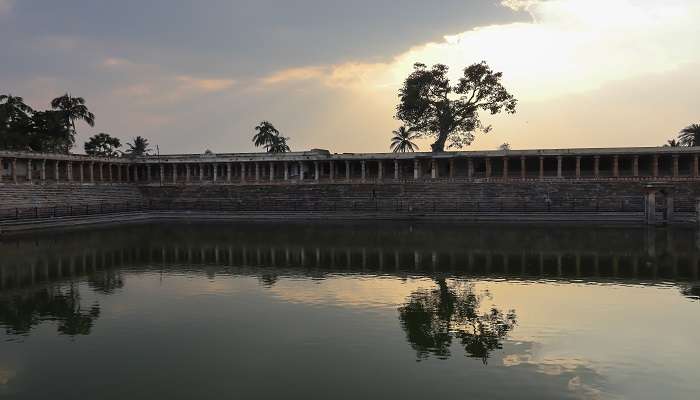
22	312
432	318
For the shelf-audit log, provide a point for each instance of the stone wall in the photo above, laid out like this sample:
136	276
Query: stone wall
12	196
447	196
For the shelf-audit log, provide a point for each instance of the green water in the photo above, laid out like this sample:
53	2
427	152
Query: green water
387	310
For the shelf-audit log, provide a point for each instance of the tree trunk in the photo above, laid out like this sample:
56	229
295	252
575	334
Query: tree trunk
439	145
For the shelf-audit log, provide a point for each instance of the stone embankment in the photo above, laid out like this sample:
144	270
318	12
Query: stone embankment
29	206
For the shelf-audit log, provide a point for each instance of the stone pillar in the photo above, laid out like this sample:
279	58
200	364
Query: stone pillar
635	166
286	171
670	209
655	166
380	170
650	207
364	170
109	172
69	170
43	170
523	167
488	167
228	172
81	173
397	173
578	167
174	167
696	166
505	167
56	171
119	172
416	169
452	168
215	172
675	165
29	170
541	167
301	171
243	172
347	171
317	171
102	177
596	166
616	166
560	162
257	172
14	170
331	169
470	168
201	173
187	173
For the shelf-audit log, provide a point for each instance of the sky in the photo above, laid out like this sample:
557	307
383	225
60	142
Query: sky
192	76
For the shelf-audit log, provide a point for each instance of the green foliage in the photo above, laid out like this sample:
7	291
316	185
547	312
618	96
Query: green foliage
689	136
432	319
402	141
103	145
51	131
139	147
431	106
269	137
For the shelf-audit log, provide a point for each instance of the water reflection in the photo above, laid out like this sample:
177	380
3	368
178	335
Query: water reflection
20	313
433	317
555	312
38	273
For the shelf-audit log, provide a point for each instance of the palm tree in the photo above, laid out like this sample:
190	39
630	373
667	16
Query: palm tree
74	109
278	145
689	136
265	135
139	147
672	143
13	107
402	140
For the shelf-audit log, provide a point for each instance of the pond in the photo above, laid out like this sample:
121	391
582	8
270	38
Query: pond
363	310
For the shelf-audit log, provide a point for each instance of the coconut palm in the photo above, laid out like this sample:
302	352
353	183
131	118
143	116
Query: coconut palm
402	141
265	135
278	145
74	109
672	143
139	147
13	107
690	136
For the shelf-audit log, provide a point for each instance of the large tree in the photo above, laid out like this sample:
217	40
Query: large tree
278	145
103	145
689	136
431	106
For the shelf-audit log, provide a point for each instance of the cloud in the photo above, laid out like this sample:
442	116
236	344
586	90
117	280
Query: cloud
571	46
189	83
519	5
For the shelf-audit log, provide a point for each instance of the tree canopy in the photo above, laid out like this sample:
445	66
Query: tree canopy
269	137
689	136
432	319
431	106
52	131
139	147
103	145
402	141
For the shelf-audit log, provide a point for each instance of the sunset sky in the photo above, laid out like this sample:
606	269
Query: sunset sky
192	76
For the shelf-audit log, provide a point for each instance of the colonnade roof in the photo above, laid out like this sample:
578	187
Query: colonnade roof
322	155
